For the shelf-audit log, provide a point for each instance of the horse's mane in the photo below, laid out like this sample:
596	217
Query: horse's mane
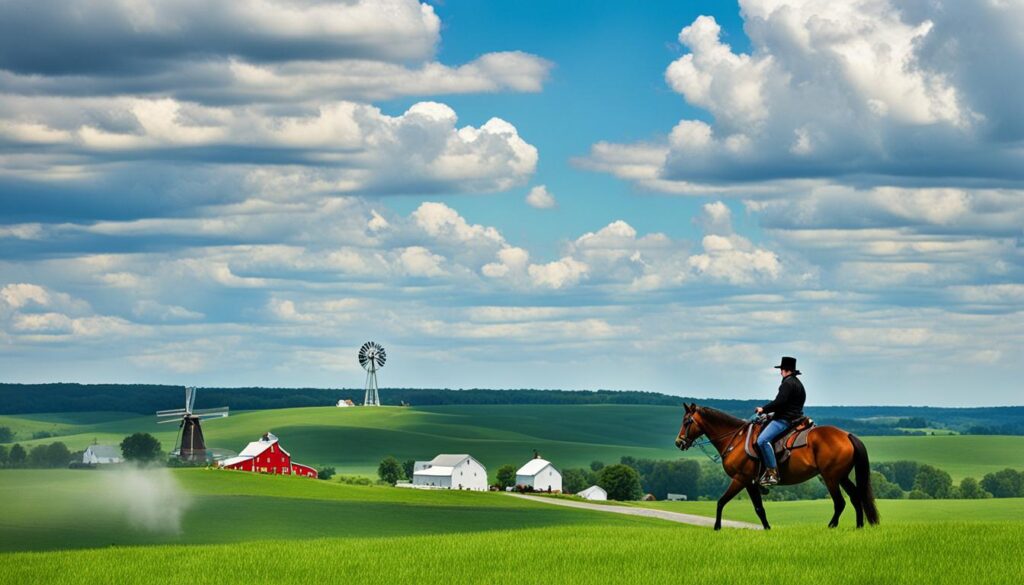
719	416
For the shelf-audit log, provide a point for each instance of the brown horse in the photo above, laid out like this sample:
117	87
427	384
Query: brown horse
830	452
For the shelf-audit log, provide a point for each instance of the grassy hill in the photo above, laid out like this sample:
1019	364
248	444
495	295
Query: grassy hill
75	527
355	439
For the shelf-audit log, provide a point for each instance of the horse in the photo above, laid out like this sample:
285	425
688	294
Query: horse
830	452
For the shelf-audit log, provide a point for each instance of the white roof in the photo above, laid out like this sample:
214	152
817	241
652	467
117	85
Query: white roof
447	460
108	451
592	490
256	447
233	460
533	466
436	471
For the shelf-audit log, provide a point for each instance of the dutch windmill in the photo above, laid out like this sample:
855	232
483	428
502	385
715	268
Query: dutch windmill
192	446
372	358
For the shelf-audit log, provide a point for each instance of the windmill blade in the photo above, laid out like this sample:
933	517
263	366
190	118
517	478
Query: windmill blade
170	420
172	412
190	398
212	415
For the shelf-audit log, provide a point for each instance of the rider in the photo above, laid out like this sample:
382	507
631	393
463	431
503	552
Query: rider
787	407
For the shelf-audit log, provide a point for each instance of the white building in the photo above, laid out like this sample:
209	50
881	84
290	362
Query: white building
540	475
455	472
345	403
594	492
101	454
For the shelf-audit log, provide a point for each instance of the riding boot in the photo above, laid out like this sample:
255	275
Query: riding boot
771	477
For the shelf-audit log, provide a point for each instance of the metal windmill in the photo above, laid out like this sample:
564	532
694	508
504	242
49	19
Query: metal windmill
192	446
372	358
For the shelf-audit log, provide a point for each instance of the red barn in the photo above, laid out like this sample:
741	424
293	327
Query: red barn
267	456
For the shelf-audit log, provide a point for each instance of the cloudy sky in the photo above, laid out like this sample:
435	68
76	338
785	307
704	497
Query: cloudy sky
659	196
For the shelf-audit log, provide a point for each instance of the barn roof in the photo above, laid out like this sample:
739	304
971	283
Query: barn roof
436	471
592	489
104	451
447	460
256	447
533	466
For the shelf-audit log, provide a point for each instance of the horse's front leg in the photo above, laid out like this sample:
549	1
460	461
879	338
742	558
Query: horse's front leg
755	498
730	493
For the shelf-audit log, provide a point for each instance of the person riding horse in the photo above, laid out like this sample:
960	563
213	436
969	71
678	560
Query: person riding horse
787	408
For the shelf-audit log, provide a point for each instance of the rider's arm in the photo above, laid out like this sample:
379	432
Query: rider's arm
780	399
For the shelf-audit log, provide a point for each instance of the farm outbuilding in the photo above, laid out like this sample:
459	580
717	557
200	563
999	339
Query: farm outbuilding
539	474
345	403
594	492
456	472
101	455
267	456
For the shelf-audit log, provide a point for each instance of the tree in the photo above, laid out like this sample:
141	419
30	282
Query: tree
507	476
140	447
409	468
713	481
4	453
622	482
934	482
596	466
885	489
1007	483
679	477
6	435
17	456
325	473
970	489
575	480
37	457
902	473
390	470
58	455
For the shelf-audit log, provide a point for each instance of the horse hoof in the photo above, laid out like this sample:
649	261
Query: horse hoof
718	527
833	524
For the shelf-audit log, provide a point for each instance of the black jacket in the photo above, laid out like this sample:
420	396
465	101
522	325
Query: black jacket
789	404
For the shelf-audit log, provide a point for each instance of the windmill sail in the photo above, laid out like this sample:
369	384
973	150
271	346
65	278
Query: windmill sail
193	444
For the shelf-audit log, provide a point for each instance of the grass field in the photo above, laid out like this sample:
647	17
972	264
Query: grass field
355	439
244	528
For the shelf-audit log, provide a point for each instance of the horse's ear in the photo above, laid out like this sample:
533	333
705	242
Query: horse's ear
686	407
693	407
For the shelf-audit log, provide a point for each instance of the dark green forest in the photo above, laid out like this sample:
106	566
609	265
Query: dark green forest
147	398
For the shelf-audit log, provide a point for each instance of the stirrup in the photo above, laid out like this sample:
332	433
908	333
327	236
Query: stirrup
769	479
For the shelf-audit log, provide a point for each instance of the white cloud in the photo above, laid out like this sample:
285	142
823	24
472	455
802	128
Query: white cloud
419	261
558	274
540	198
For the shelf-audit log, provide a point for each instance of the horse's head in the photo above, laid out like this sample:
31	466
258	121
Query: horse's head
691	428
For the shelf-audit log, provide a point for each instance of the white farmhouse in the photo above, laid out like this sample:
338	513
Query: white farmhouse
101	455
455	472
594	492
540	475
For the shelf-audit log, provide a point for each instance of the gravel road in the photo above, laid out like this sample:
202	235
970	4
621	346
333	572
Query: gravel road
648	512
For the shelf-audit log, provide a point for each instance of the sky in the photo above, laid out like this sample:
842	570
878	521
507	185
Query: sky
663	196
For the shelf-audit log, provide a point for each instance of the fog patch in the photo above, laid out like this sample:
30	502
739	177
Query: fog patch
149	498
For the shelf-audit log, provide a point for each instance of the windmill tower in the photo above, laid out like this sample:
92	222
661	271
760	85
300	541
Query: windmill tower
371	357
192	446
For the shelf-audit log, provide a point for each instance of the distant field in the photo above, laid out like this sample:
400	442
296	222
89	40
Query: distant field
354	440
244	528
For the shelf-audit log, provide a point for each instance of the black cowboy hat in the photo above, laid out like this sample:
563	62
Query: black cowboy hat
788	364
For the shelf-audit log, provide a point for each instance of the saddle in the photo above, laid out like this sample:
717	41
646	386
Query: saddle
794	438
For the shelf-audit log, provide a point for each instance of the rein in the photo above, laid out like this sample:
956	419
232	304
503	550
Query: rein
707	441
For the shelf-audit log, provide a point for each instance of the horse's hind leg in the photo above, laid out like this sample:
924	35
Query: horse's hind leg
755	498
851	490
837	501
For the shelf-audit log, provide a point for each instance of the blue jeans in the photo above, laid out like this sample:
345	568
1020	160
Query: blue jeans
764	441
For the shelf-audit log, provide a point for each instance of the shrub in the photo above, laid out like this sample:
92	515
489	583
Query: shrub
140	447
1007	483
621	482
6	435
885	489
970	489
325	473
934	482
390	470
506	476
354	480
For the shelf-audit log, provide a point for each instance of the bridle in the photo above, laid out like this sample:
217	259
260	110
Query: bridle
684	441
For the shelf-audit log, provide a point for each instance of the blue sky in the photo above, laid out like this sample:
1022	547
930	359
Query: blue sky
661	196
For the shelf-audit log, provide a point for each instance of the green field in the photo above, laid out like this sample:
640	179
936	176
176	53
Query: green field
355	439
63	526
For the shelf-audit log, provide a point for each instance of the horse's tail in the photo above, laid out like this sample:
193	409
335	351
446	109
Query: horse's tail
862	473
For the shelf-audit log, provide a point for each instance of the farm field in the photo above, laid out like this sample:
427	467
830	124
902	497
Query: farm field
60	530
355	440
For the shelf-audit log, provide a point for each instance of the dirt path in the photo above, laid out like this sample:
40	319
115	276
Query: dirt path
647	512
